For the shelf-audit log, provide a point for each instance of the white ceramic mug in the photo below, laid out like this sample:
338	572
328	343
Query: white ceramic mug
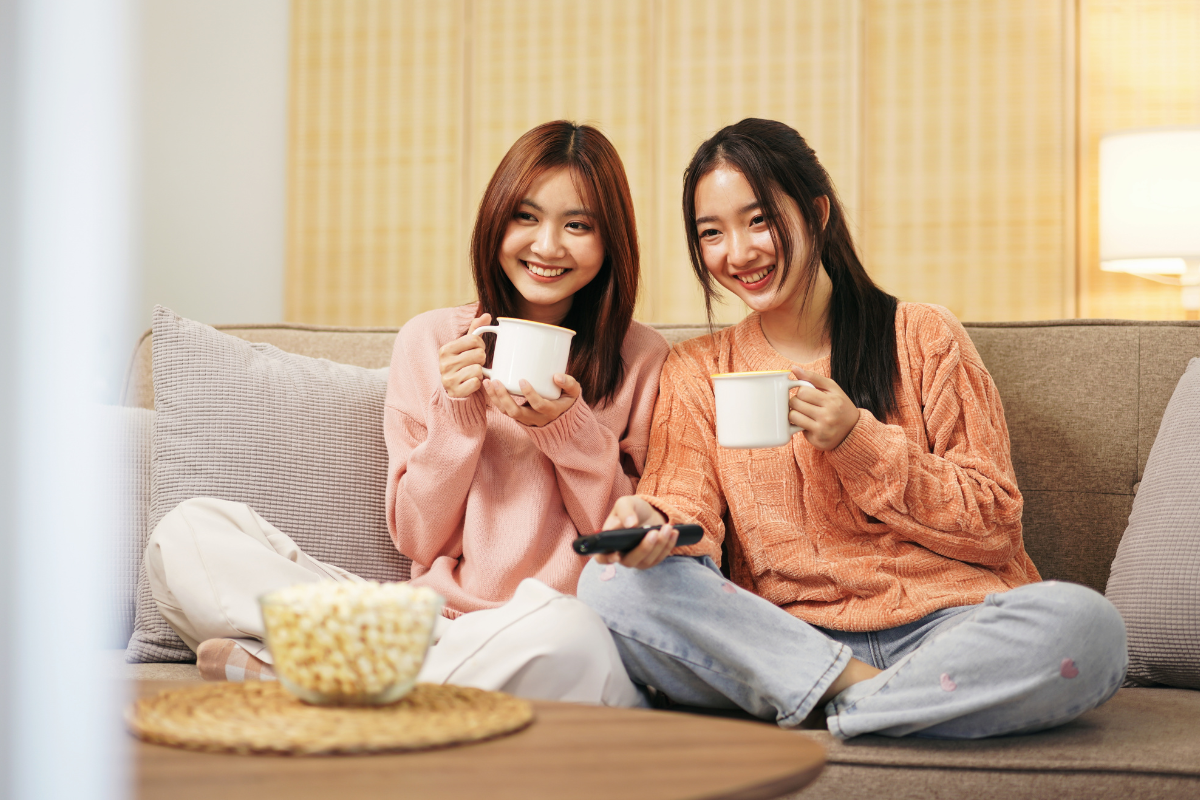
752	408
528	350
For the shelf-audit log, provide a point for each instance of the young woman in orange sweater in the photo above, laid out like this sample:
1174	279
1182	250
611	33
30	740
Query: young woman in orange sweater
876	568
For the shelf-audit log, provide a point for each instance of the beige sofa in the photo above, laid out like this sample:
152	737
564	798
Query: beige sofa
1083	399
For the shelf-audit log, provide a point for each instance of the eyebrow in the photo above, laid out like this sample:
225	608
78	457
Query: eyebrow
748	207
570	212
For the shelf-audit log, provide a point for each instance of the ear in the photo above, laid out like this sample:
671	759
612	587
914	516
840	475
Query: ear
822	204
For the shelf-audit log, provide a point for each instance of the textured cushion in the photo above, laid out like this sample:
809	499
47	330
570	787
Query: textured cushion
1138	732
1155	580
298	439
125	486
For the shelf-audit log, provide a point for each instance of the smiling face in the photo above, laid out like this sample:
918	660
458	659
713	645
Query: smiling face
736	244
551	247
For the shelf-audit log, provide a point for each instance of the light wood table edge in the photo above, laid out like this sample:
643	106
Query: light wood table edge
167	772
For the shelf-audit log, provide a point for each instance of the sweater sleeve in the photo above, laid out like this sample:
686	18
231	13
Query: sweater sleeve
431	460
956	492
681	478
592	464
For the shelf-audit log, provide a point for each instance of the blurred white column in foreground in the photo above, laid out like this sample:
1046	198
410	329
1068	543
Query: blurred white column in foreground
67	286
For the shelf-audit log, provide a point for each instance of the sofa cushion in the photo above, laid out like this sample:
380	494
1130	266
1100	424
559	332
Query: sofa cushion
1139	730
1142	743
125	487
1155	579
298	439
1083	399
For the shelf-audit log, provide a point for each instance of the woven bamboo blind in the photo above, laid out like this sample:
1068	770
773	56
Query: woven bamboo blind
954	130
376	137
402	109
1139	67
968	157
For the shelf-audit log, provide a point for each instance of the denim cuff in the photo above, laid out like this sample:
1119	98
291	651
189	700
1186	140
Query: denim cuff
810	700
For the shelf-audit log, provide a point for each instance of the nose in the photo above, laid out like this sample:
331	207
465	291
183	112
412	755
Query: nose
547	243
741	250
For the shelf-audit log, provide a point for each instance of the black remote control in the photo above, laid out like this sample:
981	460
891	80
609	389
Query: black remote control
624	540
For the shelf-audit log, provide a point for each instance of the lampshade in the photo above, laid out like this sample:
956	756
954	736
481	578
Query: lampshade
1150	200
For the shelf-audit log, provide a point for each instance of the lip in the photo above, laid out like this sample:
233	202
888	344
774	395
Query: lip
543	278
757	284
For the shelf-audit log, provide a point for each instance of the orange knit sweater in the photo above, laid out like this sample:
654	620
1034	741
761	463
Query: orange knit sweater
900	520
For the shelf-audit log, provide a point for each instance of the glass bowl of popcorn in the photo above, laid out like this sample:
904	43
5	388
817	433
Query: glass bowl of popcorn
349	643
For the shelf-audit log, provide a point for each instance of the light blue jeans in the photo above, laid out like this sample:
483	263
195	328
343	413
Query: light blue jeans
1020	661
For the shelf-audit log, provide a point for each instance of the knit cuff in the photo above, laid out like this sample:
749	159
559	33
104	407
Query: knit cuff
861	452
666	509
563	431
702	548
468	413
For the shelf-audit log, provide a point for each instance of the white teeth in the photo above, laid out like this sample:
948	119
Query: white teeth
545	273
755	277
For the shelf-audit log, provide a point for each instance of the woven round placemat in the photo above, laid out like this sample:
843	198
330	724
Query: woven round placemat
261	717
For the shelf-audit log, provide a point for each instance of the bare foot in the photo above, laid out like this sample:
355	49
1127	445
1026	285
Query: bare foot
856	672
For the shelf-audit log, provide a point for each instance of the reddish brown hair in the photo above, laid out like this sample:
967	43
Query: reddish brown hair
601	311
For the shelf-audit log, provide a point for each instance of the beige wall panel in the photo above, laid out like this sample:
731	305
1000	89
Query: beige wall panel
719	61
374	223
967	160
1139	67
540	60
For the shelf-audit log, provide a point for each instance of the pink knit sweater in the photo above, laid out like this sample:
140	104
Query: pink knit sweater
479	501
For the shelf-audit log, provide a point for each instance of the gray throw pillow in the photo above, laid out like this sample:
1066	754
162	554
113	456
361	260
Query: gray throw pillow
298	439
125	488
1155	579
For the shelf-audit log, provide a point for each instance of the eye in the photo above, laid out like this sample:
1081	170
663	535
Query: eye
758	219
708	233
525	216
579	227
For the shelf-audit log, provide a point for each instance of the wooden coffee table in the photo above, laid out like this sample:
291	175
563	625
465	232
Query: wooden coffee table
570	751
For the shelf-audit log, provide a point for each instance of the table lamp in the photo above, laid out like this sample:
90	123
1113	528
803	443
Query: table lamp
1150	206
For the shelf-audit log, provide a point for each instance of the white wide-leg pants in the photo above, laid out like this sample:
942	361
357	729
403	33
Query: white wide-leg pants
209	560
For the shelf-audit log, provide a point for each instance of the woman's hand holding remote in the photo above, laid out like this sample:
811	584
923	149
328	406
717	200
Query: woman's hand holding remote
634	512
461	361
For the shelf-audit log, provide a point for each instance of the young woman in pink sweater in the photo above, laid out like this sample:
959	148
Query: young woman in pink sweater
876	569
486	491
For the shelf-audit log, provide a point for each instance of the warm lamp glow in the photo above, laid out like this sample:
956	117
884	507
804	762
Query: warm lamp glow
1150	194
1150	205
1146	266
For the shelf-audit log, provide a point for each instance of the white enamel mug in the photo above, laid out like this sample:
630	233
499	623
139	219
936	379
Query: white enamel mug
528	350
752	408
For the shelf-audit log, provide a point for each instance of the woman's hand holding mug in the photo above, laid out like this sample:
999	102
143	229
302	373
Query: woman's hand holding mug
634	512
538	410
461	361
823	411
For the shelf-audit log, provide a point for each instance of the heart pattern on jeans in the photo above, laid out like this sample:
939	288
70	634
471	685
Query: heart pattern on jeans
1068	669
948	684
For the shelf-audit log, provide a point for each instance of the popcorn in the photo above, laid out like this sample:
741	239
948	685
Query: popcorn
349	643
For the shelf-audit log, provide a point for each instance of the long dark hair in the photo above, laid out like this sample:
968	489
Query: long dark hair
776	161
602	310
